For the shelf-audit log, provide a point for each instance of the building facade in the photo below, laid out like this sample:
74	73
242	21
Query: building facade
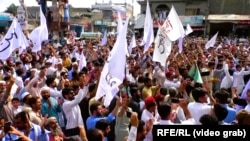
108	15
210	16
190	11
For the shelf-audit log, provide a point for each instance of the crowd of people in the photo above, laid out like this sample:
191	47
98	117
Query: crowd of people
47	96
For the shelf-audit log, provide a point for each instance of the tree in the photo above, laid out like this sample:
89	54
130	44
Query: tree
12	9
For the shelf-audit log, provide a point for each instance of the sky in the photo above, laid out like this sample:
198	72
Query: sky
75	3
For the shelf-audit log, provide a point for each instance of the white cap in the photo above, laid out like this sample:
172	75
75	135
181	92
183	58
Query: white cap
2	82
45	88
49	61
33	69
49	120
25	94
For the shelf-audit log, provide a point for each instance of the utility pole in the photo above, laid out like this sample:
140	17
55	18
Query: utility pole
206	19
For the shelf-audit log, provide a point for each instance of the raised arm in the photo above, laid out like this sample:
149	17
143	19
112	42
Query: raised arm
7	92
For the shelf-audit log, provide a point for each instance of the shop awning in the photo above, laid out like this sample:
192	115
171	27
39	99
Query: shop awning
6	17
196	21
232	18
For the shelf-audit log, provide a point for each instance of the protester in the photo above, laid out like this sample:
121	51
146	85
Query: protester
79	89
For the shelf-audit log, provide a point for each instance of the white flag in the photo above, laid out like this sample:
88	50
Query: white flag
25	44
188	30
104	38
119	22
113	72
39	34
212	41
163	47
180	44
132	44
14	39
173	26
148	36
82	61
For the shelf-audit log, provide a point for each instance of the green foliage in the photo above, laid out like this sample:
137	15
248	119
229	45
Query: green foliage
12	9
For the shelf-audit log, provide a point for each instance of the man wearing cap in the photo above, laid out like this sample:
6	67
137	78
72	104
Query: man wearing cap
169	81
50	69
60	68
50	105
55	129
5	111
25	98
2	85
149	115
36	83
74	69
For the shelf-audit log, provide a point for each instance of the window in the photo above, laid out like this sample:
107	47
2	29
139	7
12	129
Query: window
192	11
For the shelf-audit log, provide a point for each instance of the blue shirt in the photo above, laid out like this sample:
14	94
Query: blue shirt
231	114
53	111
35	134
92	120
70	74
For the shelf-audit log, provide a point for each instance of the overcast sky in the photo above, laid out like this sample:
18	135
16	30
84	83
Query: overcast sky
75	3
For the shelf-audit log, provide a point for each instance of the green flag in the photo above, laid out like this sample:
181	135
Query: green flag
191	72
197	76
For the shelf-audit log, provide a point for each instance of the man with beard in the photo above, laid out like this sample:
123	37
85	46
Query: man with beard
50	106
5	111
104	126
56	133
71	107
51	83
2	85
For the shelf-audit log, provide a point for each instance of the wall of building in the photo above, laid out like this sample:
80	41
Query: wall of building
229	6
180	6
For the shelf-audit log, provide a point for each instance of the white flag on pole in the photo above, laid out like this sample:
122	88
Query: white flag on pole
212	41
113	72
180	44
173	26
148	36
119	22
104	38
82	61
14	39
188	30
39	34
132	44
163	47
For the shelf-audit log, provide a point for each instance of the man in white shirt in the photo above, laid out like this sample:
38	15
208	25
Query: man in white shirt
170	81
149	114
227	80
56	44
199	107
50	69
19	80
167	114
238	78
70	105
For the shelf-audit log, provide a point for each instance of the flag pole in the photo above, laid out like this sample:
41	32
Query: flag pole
125	77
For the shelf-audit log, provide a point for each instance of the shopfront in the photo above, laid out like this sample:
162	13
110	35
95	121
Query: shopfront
229	24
